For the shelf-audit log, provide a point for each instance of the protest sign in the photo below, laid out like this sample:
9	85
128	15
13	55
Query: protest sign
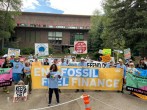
20	91
1	62
127	53
5	77
14	52
96	64
136	84
106	58
41	49
80	47
106	52
80	78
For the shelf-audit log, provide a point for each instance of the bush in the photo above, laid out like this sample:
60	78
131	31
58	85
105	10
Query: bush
27	51
94	55
4	51
50	50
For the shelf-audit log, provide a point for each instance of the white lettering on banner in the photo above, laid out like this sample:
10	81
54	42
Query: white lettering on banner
41	71
85	82
44	72
64	82
93	83
36	71
116	82
71	71
85	73
79	72
109	84
44	81
101	82
74	81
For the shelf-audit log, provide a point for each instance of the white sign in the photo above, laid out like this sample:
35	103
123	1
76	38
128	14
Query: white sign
41	49
80	47
13	51
21	91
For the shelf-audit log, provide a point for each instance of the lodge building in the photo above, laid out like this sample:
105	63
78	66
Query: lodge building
59	30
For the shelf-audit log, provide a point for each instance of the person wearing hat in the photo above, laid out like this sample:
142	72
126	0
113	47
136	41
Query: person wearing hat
110	64
63	63
122	66
82	63
131	69
73	62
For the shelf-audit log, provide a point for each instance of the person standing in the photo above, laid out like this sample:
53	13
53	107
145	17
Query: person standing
73	62
53	76
17	70
27	76
46	62
83	64
131	69
63	63
122	66
142	65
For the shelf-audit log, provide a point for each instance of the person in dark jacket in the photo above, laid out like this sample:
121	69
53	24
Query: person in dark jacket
141	65
46	62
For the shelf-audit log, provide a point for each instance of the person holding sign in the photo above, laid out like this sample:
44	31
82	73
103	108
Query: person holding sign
53	76
131	69
27	78
17	70
83	64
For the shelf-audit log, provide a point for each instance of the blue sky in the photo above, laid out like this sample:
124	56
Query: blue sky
82	7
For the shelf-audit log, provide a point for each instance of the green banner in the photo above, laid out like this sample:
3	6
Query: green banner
136	84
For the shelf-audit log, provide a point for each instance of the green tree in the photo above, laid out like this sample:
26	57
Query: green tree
8	10
128	22
96	31
111	39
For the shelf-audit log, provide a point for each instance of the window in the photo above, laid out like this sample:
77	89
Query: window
60	26
76	37
55	37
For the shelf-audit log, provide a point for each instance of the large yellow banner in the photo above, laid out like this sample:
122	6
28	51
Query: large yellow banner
80	78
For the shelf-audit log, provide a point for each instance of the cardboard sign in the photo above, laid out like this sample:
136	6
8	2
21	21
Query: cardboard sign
106	58
106	52
5	77
14	52
80	47
127	53
20	92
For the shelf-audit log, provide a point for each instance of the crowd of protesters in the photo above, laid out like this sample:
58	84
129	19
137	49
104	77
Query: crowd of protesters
21	69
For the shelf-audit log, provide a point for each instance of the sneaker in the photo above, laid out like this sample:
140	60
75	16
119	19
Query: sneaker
59	91
77	90
49	104
57	103
83	90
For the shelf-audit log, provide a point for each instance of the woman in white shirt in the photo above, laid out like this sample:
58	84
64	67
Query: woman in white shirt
131	69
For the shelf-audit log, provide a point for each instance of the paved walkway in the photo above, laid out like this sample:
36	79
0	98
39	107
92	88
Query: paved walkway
103	101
